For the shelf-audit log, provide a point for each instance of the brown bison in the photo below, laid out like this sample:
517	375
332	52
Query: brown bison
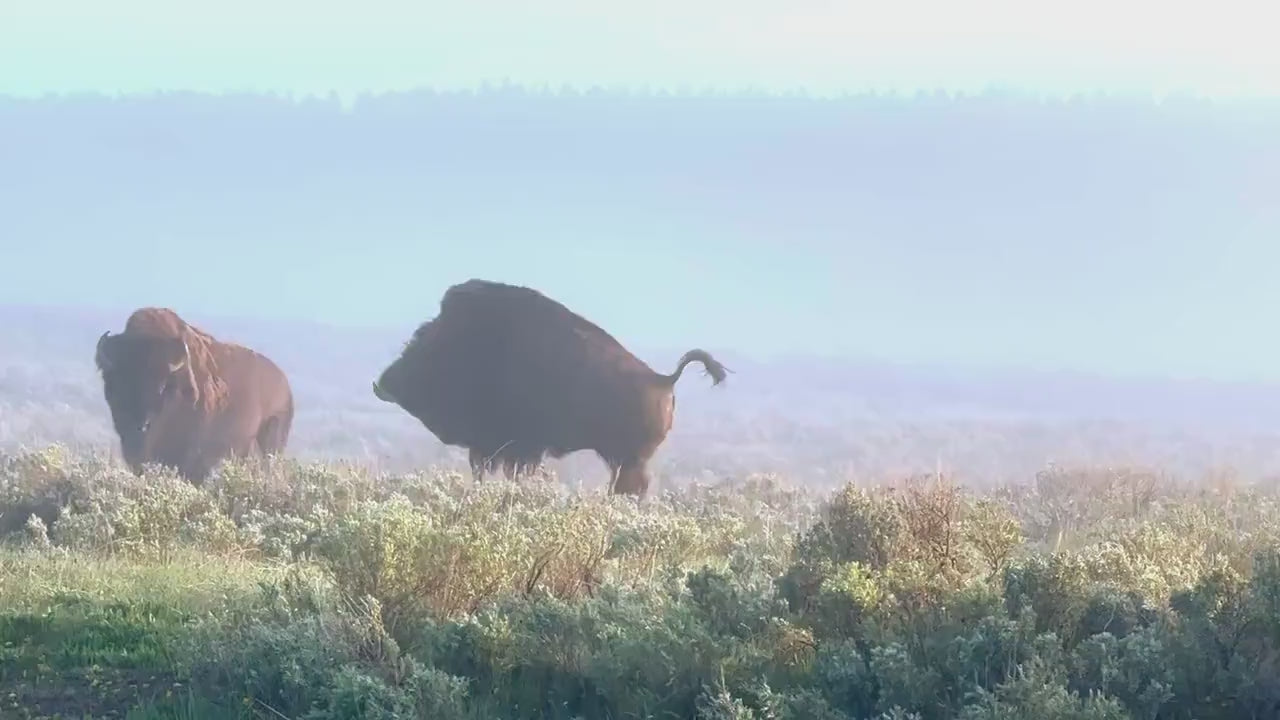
513	375
182	399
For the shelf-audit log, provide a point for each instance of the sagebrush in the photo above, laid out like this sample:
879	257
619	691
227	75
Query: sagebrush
287	589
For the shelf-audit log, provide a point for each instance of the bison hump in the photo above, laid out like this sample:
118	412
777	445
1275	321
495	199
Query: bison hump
521	312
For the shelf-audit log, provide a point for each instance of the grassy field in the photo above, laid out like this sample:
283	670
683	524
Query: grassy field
293	590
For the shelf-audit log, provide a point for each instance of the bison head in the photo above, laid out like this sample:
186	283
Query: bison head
413	382
397	384
390	382
139	373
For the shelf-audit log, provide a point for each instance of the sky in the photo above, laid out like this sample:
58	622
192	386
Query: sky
1184	262
1225	48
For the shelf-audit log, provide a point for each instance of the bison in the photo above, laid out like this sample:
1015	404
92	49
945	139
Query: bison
182	399
513	375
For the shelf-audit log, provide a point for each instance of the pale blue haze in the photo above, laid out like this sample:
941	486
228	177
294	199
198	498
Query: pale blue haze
1114	236
827	46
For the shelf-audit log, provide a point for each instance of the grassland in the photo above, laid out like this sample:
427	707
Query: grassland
293	589
797	561
782	571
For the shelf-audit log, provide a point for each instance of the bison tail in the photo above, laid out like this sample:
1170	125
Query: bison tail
711	366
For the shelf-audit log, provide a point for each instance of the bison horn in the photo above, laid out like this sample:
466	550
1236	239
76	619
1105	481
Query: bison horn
98	355
186	355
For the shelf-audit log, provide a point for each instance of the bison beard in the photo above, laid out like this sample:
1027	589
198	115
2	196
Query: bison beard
513	375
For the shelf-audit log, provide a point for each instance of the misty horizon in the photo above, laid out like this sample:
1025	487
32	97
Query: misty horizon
1096	235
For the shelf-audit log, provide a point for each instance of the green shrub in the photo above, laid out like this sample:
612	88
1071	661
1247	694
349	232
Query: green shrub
303	590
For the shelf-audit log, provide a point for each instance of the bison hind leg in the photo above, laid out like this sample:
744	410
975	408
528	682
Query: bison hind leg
273	435
512	467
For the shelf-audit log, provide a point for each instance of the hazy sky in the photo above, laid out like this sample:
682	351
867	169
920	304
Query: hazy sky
1221	48
975	259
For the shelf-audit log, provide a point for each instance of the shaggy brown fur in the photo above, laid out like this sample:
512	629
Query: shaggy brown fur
181	398
511	374
206	387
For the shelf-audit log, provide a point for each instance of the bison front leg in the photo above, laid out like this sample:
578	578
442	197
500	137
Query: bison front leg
480	463
630	479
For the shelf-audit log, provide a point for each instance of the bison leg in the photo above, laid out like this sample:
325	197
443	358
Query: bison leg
514	465
481	463
510	467
273	435
630	478
476	459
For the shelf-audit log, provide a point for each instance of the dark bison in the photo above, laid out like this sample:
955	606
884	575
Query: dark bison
513	375
180	398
